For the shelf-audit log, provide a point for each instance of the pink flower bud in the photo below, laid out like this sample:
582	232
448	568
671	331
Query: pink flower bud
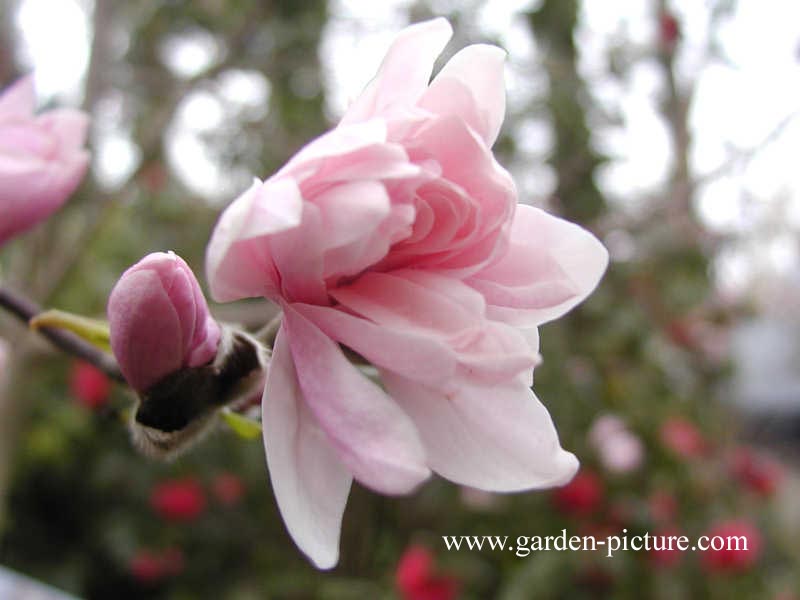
159	320
42	159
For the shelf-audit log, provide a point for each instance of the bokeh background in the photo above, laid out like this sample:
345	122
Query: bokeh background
669	129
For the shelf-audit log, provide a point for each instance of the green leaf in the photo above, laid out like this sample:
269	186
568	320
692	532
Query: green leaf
94	331
248	429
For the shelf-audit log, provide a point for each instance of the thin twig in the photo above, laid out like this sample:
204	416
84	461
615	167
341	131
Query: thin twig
25	310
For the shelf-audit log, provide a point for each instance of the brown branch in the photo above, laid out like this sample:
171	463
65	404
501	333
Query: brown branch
25	310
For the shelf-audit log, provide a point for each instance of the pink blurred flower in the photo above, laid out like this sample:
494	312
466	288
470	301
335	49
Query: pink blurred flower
580	497
683	438
729	559
178	500
159	320
228	488
416	580
89	385
398	235
755	471
619	450
42	159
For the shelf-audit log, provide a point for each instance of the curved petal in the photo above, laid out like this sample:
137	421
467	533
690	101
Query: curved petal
428	304
420	357
471	86
145	354
551	266
373	437
31	190
311	485
19	99
238	258
69	126
497	438
405	71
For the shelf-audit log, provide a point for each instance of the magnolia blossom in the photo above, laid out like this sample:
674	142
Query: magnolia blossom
159	320
42	159
398	236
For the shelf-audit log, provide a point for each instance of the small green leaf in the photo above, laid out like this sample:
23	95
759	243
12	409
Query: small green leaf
248	429
94	331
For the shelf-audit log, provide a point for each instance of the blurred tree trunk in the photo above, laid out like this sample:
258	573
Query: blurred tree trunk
573	158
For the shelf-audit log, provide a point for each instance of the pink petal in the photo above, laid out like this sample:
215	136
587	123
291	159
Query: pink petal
443	309
68	126
299	258
311	485
405	71
373	437
550	267
19	99
32	190
497	438
412	354
396	301
238	258
351	211
471	86
145	353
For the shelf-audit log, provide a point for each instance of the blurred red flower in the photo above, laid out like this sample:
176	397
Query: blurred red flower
727	535
663	506
662	553
89	385
228	488
416	579
581	496
682	437
178	500
668	29
149	567
755	471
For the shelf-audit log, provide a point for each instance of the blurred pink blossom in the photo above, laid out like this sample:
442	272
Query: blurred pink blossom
619	450
159	320
682	437
398	235
42	159
729	559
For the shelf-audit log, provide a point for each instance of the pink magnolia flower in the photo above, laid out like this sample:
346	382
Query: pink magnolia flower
159	320
42	159
398	235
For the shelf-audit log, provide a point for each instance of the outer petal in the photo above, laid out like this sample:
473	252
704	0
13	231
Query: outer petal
311	485
550	267
471	86
404	74
428	304
69	126
32	190
373	437
19	99
238	259
496	438
420	357
145	353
